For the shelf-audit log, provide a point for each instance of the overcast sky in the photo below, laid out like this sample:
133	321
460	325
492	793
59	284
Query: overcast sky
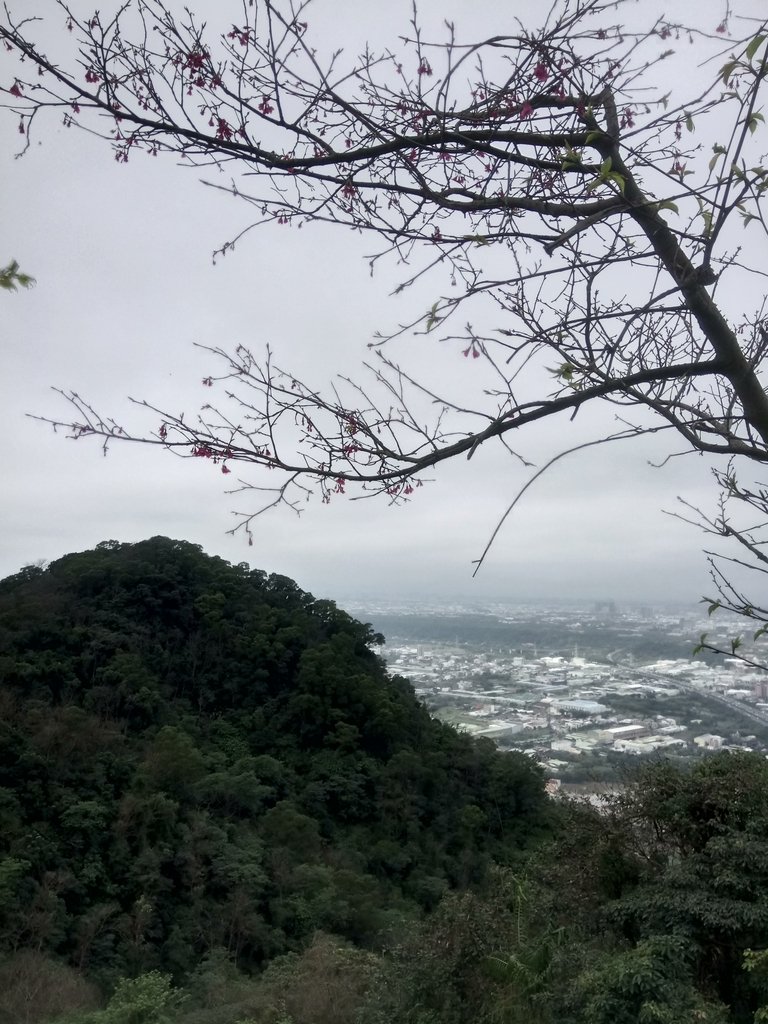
126	286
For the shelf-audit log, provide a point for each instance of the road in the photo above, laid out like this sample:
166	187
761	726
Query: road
746	710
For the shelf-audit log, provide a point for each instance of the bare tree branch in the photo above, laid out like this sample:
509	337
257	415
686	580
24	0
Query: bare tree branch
548	174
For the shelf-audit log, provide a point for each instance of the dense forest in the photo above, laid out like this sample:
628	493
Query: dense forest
218	807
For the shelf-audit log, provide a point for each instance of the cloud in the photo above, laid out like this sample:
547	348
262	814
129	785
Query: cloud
126	287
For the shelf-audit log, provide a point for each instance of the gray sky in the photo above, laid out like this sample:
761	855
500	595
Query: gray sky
125	286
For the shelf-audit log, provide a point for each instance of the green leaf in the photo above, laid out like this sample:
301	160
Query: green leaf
727	70
594	136
753	46
571	158
432	318
667	204
713	607
701	645
564	371
706	216
754	121
718	150
689	123
11	278
619	179
605	168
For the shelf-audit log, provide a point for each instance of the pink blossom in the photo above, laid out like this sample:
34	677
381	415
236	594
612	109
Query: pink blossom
224	130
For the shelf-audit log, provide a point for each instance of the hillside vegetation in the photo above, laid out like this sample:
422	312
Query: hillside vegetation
217	807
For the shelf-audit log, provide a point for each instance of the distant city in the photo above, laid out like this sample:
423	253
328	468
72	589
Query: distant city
585	690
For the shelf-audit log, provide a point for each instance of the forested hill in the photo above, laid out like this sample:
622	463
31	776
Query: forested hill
216	807
197	757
